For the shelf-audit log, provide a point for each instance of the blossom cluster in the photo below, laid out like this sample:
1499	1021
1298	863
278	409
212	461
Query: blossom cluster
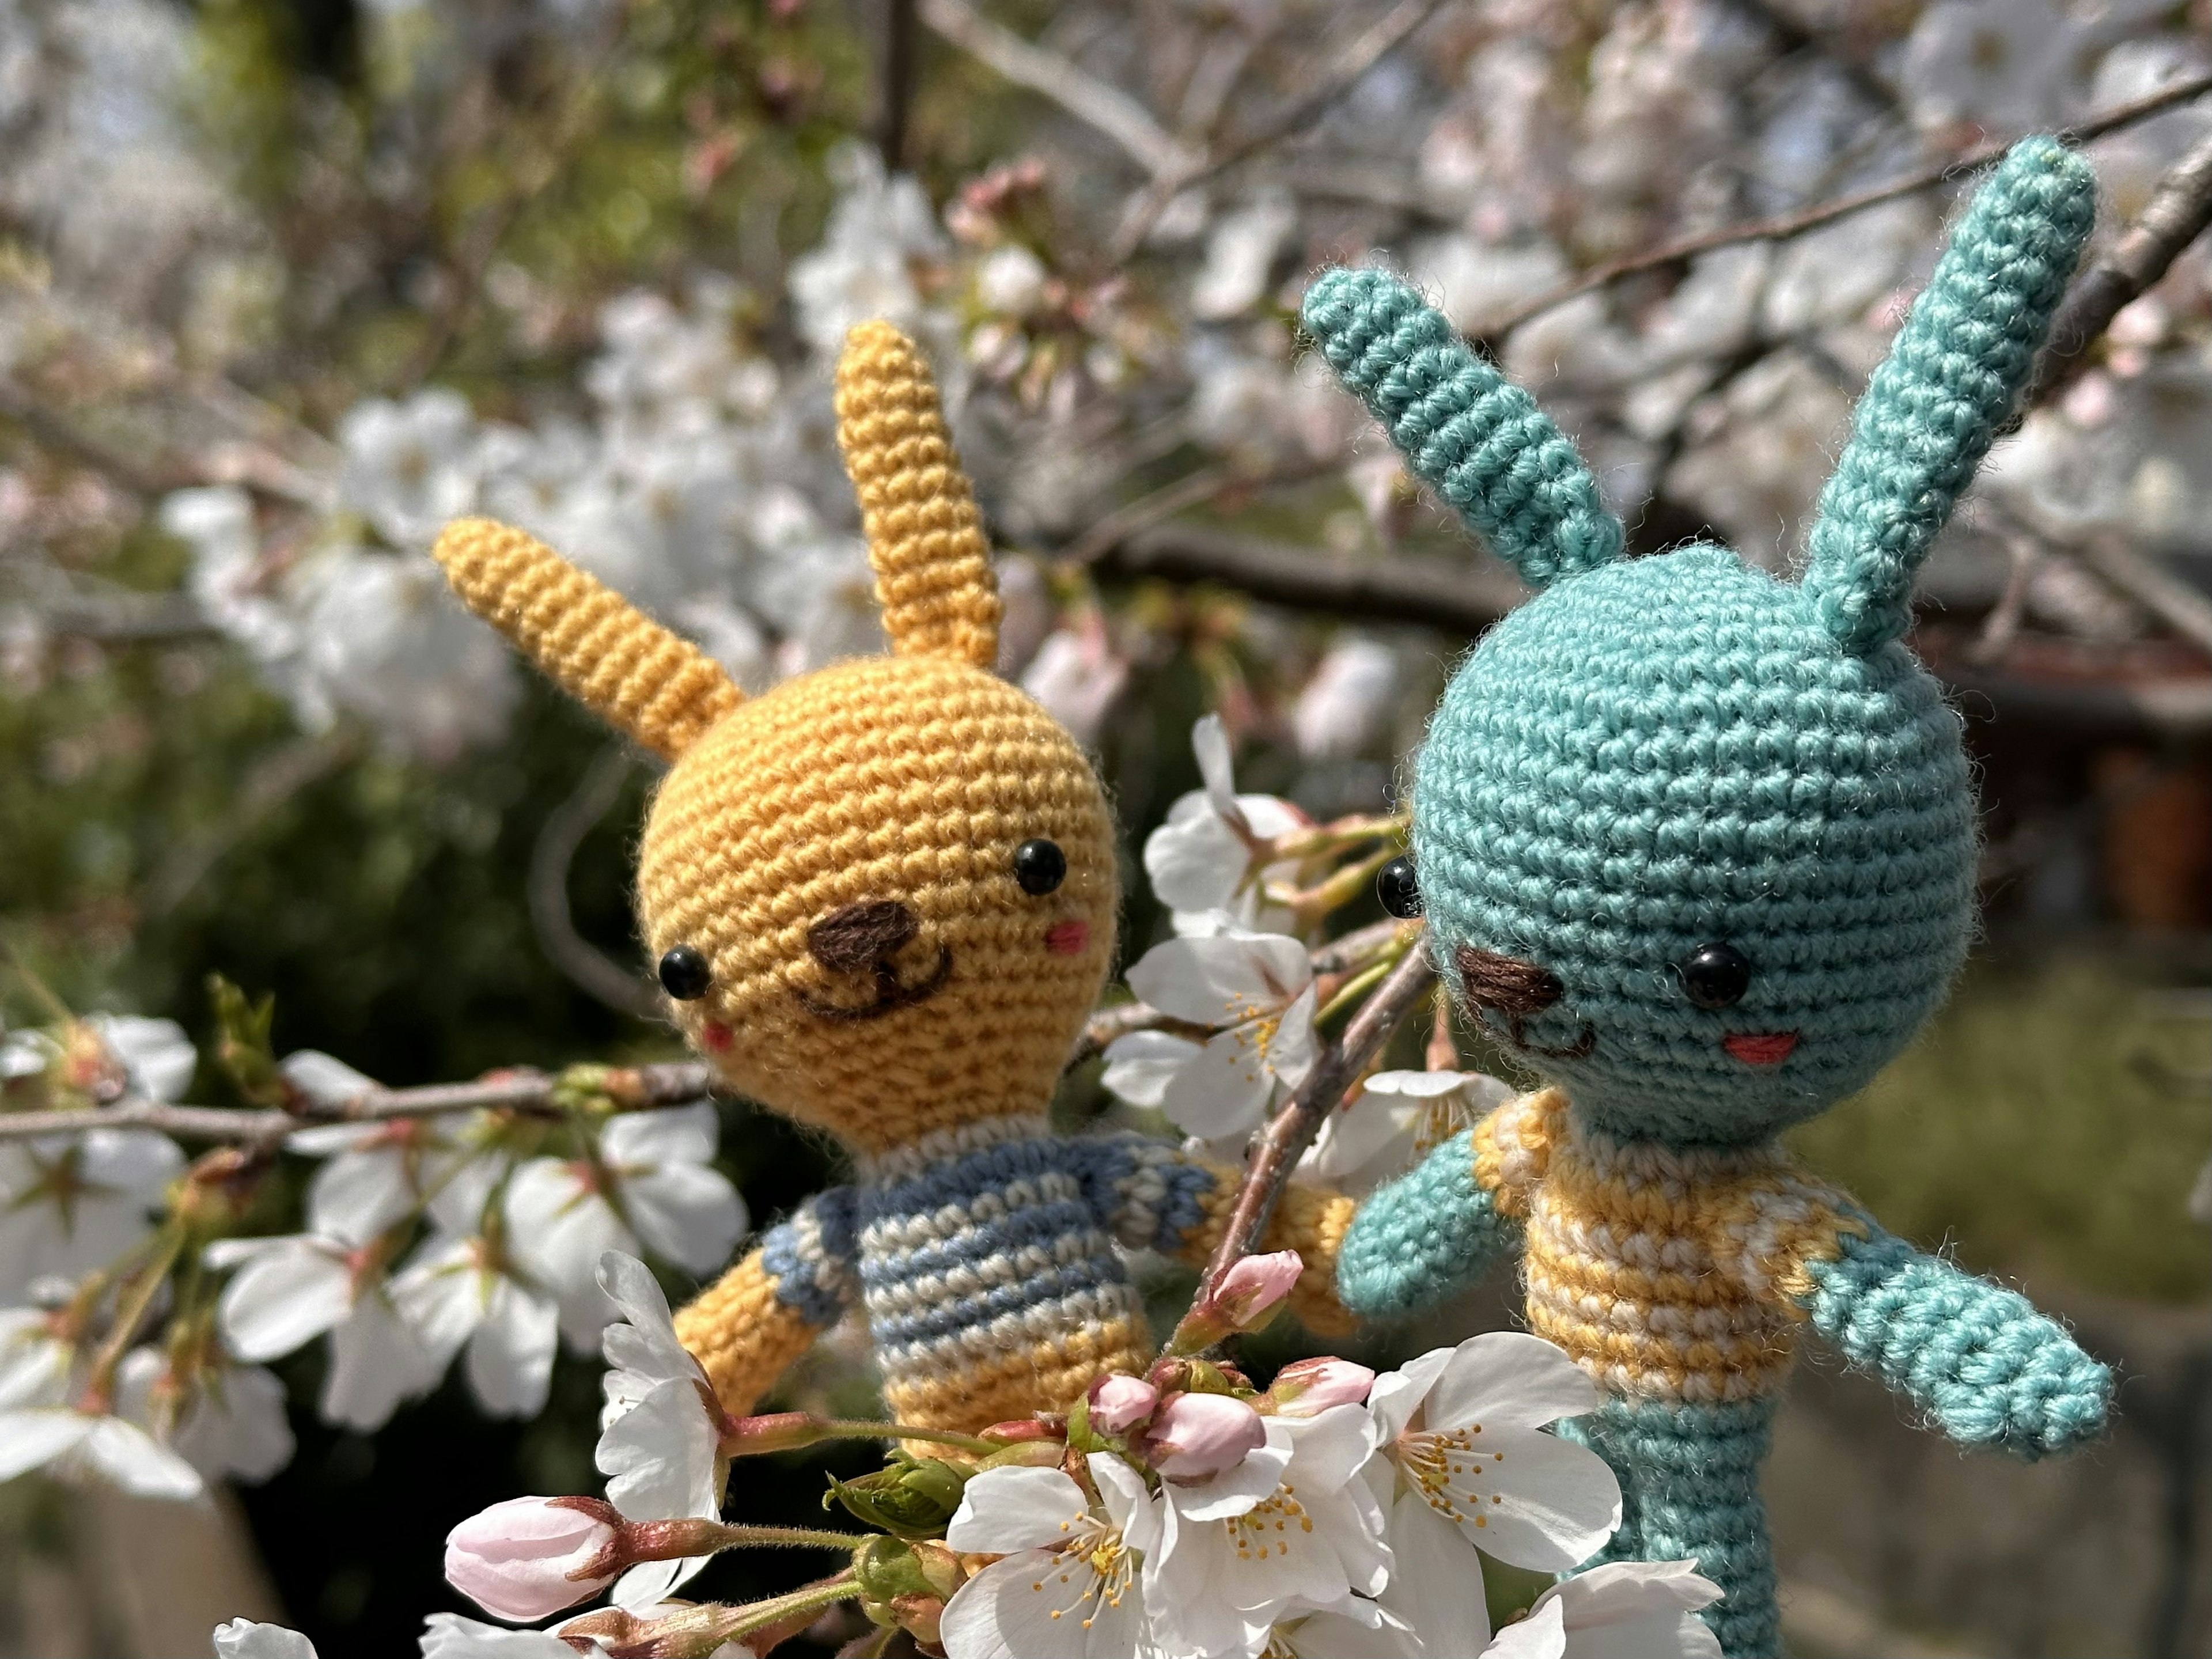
1337	1512
426	1240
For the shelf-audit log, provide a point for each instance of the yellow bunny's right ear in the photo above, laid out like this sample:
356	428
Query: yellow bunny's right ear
599	648
926	538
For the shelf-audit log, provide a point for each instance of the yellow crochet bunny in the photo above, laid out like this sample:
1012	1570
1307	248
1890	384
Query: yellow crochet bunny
882	898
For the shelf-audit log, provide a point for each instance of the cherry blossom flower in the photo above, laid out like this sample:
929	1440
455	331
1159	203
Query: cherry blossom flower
1069	1586
1361	1629
71	1203
1397	1117
79	1445
1259	988
1464	1461
1623	1610
1078	676
459	1293
288	1290
1343	705
409	466
652	1181
157	1058
374	1174
520	1558
661	1438
37	1359
1195	1436
1117	1403
1293	1526
449	1636
242	1639
1200	858
227	1421
1307	1387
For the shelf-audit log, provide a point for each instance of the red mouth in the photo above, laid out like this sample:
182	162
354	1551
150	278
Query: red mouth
1068	938
1762	1049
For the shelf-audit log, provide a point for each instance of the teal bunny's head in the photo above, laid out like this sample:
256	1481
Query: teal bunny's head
1700	843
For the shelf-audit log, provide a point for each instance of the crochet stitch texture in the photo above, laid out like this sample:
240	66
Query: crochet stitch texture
1699	844
840	851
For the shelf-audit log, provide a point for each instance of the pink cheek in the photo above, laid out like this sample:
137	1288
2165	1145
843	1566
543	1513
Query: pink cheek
715	1036
1068	938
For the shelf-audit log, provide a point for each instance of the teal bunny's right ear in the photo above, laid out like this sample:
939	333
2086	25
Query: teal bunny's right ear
1472	436
1934	407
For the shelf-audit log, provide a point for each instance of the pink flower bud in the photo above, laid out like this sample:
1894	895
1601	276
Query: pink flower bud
1307	1387
1195	1435
1255	1284
519	1559
1119	1403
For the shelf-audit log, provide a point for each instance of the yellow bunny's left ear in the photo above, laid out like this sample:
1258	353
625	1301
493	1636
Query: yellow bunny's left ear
926	538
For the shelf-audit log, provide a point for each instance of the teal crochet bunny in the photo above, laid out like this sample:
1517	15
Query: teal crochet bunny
1700	845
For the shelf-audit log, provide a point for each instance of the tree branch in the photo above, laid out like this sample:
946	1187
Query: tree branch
2176	214
551	917
1785	226
1461	599
632	1089
1105	108
1343	73
1292	1130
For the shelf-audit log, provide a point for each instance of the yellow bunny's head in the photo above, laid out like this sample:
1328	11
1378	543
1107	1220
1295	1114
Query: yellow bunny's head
881	894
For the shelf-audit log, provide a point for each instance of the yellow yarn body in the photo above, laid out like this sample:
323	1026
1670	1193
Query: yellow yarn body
1667	1273
842	868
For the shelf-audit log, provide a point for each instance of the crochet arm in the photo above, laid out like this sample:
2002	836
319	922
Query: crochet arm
1978	1358
1153	1195
1426	1236
748	1326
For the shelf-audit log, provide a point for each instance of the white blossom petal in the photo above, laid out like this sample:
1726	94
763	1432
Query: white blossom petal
1002	1510
1140	1065
241	1638
289	1291
1512	1379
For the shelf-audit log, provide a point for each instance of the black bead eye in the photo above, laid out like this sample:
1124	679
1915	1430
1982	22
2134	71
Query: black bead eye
1395	886
684	974
1040	866
1715	975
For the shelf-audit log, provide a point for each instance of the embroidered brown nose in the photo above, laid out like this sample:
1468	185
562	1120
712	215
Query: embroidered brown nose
860	935
1508	984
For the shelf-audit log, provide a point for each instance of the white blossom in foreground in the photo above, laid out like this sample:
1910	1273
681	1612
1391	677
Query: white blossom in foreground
1294	1526
1624	1610
661	1442
1259	989
1068	1587
70	1204
290	1290
463	1294
1395	1119
1464	1461
1200	859
659	1165
528	1558
242	1639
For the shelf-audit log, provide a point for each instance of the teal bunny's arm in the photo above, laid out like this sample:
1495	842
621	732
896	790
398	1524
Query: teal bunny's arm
1428	1235
1978	1358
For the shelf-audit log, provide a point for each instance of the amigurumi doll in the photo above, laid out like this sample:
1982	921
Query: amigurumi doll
882	898
1699	845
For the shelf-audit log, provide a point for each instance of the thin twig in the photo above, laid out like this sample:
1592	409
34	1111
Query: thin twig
1292	1130
1782	227
550	916
1090	100
2176	214
1344	71
631	1088
2179	606
899	58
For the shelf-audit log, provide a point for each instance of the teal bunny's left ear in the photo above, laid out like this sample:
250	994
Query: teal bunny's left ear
1935	404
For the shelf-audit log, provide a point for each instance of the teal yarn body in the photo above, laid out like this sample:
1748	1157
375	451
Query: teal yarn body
1689	1490
1698	844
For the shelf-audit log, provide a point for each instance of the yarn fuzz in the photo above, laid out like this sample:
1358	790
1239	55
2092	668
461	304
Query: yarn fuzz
841	853
1698	844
